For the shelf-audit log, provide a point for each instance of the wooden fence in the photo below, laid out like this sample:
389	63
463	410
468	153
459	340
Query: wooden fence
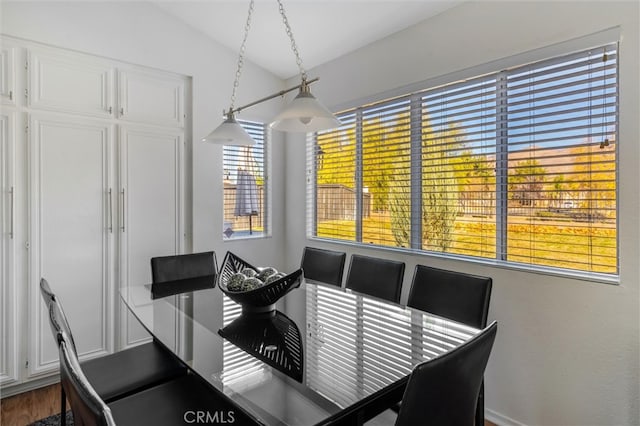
338	202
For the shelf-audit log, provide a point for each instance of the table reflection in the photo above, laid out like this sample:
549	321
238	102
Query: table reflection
272	337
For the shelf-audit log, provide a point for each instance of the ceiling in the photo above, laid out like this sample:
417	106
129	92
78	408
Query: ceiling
323	29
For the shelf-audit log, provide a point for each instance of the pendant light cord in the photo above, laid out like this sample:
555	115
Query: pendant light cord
294	47
236	82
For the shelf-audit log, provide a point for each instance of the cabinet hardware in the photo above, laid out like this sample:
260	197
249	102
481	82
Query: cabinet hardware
121	111
26	93
110	110
11	191
10	95
122	193
110	212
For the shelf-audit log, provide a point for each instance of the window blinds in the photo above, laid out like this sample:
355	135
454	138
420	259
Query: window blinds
561	125
518	165
245	186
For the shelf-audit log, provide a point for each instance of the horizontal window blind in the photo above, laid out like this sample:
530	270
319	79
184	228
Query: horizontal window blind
386	173
333	159
458	163
561	119
519	166
245	186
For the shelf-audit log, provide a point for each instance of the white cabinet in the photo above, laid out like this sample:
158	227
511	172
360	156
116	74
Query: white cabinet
152	217
70	82
153	98
92	175
8	91
8	306
70	212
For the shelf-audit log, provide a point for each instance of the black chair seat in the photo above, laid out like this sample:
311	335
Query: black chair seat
450	294
115	375
181	266
122	373
376	277
456	295
183	400
177	402
325	266
444	390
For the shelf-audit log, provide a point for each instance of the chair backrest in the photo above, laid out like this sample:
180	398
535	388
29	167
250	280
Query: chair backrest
376	277
454	295
87	407
183	266
444	390
45	291
57	318
323	265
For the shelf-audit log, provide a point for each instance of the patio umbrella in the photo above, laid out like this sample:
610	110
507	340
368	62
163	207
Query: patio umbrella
246	196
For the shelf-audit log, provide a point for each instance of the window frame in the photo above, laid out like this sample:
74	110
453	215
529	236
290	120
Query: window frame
417	90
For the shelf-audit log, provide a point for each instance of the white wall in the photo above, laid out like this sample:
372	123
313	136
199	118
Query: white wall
567	350
140	33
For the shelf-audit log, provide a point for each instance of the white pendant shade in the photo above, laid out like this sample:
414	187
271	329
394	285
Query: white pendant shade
230	132
305	114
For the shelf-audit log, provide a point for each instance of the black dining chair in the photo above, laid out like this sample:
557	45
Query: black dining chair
182	266
444	390
454	295
118	374
172	274
178	401
322	265
376	277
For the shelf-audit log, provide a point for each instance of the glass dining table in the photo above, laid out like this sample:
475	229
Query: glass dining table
325	355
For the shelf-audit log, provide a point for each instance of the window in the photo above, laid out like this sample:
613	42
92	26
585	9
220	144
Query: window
246	189
517	166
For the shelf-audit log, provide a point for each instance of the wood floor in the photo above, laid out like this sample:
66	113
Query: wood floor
26	408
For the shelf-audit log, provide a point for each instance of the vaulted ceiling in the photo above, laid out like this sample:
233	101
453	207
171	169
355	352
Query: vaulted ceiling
323	30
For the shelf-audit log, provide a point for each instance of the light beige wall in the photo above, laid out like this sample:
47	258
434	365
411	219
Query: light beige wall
567	350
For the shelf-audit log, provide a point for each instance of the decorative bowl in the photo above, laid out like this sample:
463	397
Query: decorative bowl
261	299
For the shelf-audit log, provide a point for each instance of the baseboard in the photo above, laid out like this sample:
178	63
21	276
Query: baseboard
499	419
29	386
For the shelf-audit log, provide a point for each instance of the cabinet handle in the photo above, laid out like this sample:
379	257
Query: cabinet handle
10	95
121	111
110	212
123	210
11	191
110	110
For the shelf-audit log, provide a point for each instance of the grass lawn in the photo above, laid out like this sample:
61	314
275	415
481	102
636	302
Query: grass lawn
573	245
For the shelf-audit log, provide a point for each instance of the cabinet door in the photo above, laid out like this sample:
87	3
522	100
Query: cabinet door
153	98
70	82
7	74
8	290
70	221
151	209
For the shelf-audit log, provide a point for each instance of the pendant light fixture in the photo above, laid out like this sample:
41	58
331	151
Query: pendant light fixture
230	132
303	114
